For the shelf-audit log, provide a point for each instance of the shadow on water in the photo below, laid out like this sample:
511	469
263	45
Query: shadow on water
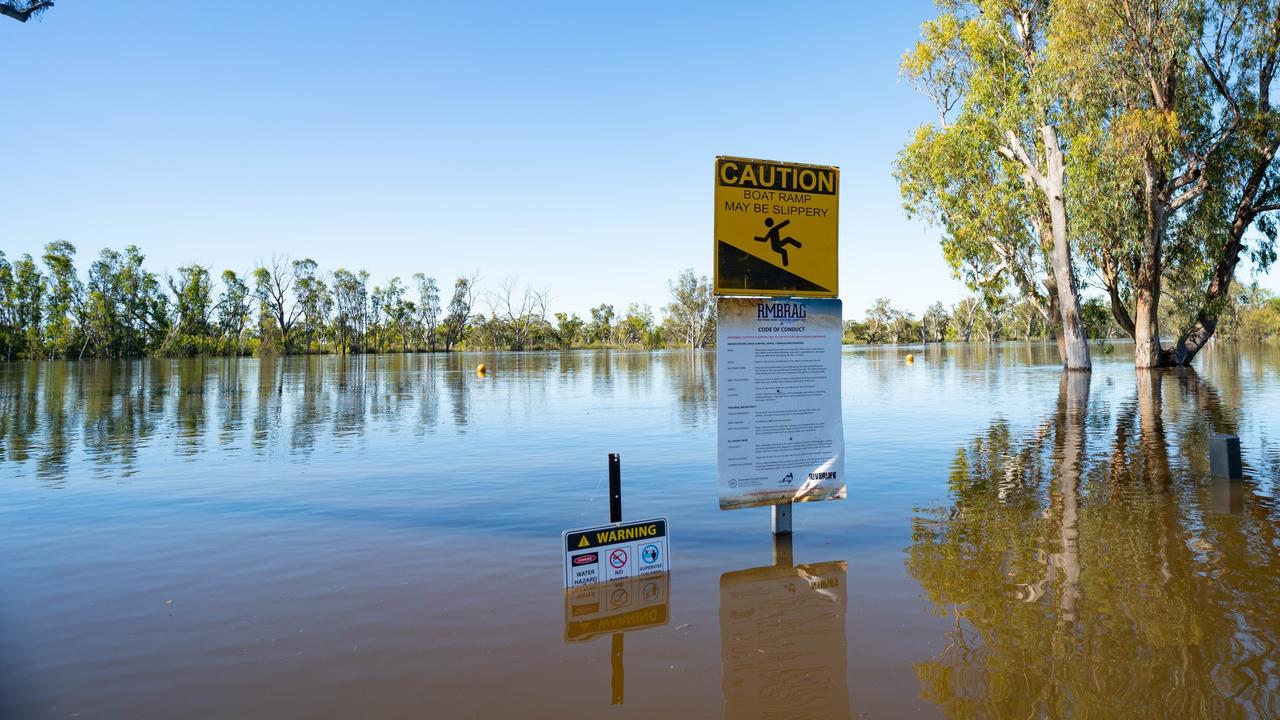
1091	565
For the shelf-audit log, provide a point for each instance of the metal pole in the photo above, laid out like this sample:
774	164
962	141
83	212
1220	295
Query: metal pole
615	488
618	681
782	553
782	519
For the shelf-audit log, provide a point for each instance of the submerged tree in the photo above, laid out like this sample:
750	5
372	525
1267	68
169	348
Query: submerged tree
993	171
272	285
691	314
1157	143
456	321
1184	147
428	308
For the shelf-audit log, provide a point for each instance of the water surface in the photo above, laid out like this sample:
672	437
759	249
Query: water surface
380	536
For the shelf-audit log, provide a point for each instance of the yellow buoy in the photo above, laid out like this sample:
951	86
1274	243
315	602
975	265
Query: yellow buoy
481	369
911	358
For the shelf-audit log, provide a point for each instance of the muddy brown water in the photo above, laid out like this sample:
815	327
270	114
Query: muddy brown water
380	537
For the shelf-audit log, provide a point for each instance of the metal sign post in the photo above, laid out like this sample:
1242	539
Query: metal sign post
618	673
782	519
616	579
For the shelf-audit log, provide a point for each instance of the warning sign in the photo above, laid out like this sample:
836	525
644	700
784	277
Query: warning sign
615	552
776	228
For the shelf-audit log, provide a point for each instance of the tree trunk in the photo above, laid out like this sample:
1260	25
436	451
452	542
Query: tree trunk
1054	319
1146	321
1247	211
1077	345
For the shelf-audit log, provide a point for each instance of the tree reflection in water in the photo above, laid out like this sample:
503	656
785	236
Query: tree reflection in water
1090	572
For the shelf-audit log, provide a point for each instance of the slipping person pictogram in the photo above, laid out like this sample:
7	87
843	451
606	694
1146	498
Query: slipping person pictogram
778	243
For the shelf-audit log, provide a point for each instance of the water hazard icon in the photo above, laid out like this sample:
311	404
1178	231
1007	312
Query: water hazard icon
775	239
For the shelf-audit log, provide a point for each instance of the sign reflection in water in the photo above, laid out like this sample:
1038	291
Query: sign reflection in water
1089	563
782	642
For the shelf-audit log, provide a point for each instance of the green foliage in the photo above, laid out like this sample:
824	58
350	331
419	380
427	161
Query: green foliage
1164	111
986	78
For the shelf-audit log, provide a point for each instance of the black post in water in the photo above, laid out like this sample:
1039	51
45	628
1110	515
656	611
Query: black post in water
1224	456
615	488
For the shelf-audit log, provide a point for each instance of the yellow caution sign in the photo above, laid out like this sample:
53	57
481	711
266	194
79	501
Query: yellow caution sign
776	228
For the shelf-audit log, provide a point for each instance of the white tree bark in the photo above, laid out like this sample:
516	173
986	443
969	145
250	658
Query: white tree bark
1052	184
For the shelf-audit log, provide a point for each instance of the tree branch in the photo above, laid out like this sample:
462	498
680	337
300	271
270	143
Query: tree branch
24	14
1191	193
1013	151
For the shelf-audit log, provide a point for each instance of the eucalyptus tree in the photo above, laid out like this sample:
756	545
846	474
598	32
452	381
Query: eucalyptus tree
350	301
193	307
935	323
600	327
879	321
522	313
127	312
1238	52
28	296
691	314
233	309
428	308
399	314
454	326
314	299
272	285
65	295
9	326
993	170
965	315
568	330
1182	140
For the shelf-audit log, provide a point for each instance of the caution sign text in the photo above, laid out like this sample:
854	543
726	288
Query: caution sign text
776	228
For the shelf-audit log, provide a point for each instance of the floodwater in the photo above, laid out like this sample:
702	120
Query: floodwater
381	537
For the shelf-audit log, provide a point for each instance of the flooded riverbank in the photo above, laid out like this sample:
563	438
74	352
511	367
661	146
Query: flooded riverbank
380	535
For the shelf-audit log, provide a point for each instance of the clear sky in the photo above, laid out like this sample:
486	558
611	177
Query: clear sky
569	145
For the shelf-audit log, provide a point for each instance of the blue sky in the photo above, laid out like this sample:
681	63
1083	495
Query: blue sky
568	145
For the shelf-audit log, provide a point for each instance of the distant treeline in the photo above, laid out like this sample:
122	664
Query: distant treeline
120	309
1252	313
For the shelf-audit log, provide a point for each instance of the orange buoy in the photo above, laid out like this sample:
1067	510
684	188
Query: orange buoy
911	358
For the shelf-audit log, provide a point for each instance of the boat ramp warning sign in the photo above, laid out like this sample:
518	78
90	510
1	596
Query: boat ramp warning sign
615	552
776	228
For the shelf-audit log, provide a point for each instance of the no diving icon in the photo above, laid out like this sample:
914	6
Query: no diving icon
618	559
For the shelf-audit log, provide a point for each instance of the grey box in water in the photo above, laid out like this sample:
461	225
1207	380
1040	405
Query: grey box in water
1224	456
